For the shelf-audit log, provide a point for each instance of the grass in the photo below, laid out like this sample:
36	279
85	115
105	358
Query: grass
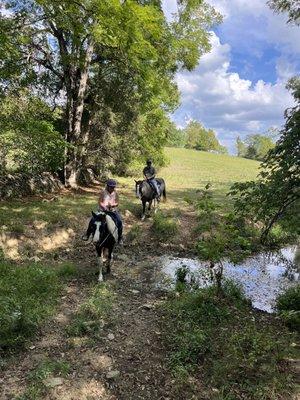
37	388
187	172
221	344
190	170
28	295
164	227
89	319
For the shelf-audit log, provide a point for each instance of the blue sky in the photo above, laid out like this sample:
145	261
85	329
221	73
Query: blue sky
239	87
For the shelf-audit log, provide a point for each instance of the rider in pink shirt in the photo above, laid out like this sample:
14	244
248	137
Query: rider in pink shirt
108	202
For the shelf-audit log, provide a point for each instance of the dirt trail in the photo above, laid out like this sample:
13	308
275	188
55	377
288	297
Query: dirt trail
129	360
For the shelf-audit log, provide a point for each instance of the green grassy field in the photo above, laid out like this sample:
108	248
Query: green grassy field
192	169
187	171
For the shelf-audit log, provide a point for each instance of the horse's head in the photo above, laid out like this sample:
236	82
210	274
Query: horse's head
138	185
99	220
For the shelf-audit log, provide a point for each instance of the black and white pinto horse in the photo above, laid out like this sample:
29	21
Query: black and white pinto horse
147	194
104	236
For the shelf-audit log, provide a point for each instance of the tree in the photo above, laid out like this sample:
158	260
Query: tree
292	7
276	194
241	147
199	138
176	137
63	48
257	146
30	140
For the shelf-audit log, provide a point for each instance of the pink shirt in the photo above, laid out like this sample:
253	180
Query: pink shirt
108	199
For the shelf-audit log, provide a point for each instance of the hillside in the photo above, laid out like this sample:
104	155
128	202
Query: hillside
191	169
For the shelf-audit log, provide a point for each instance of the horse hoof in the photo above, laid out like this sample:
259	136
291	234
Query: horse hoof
100	279
143	217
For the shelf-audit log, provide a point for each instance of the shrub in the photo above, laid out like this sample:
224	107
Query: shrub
164	227
237	353
29	141
27	296
288	305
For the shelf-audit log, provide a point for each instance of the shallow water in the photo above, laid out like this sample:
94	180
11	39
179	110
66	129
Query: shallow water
263	277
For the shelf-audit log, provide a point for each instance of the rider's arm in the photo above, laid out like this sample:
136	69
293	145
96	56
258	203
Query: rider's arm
117	201
102	203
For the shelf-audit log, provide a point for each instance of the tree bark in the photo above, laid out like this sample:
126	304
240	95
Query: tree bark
76	136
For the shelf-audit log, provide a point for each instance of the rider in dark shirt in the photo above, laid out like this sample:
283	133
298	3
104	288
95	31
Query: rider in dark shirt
149	174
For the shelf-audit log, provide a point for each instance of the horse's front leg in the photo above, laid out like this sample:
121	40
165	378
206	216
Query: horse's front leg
107	260
150	204
100	264
144	211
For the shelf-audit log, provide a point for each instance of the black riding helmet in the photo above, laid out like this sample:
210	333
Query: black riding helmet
149	161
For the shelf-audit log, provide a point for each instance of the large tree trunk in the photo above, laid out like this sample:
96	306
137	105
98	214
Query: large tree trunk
76	136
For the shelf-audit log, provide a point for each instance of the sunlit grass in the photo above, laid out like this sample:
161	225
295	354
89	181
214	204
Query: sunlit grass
187	172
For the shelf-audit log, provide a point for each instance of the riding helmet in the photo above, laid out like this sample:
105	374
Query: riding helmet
111	183
149	161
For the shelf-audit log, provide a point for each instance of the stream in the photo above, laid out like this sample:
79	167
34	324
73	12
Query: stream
262	277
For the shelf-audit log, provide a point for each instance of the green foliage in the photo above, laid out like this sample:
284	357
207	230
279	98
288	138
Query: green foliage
222	236
176	137
199	138
29	141
134	233
255	147
89	319
28	295
234	350
67	270
241	147
275	195
287	6
114	61
164	227
288	305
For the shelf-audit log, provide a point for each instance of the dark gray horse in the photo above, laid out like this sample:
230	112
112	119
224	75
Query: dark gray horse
147	194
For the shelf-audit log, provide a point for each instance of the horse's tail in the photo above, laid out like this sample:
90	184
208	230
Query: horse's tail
164	193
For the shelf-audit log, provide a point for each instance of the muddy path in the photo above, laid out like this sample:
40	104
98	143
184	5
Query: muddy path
128	360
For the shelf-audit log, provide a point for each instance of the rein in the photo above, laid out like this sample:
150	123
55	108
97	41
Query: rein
106	237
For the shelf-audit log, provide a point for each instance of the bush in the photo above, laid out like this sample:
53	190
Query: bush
27	296
163	226
288	305
29	140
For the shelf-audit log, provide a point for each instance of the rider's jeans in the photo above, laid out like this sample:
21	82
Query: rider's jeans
154	184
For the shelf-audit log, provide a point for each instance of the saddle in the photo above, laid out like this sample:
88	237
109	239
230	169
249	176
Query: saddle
112	225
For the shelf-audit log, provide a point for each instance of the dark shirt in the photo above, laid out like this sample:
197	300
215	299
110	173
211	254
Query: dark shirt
149	171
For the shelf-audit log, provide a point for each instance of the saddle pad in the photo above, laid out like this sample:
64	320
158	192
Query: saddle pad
112	227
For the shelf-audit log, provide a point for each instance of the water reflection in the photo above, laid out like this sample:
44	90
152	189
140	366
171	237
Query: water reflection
263	277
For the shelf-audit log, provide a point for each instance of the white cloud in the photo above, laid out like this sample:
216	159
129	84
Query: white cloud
269	27
224	101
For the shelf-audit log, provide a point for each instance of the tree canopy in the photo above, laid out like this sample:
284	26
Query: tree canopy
109	65
200	138
255	147
276	194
